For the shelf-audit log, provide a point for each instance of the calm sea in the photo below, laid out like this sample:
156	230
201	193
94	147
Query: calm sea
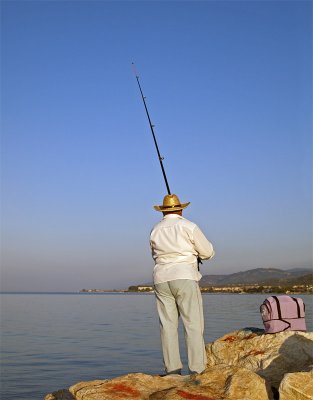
51	341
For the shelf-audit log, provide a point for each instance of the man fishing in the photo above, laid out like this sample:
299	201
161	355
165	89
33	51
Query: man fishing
176	245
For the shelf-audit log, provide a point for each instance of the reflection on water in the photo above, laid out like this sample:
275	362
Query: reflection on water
51	341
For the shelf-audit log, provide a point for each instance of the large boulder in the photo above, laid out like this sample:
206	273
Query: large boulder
131	386
297	386
229	383
219	382
242	365
269	355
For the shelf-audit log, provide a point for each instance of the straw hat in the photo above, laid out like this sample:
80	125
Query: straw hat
171	203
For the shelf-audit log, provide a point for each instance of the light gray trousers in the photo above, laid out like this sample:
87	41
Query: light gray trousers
181	297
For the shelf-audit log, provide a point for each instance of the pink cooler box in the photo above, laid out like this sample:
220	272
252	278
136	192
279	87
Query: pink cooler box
283	313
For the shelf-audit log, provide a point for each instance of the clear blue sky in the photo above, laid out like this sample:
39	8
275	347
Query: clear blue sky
228	86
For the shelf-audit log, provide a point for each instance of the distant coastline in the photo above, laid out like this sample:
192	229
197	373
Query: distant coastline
254	281
242	289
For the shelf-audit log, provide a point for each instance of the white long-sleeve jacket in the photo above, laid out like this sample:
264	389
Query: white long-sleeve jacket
175	244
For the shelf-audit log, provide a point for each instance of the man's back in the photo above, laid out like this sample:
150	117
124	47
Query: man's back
176	243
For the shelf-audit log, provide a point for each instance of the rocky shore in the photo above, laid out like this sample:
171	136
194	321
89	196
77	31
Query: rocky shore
242	365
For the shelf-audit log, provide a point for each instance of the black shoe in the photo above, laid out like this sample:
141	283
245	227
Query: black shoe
195	373
176	372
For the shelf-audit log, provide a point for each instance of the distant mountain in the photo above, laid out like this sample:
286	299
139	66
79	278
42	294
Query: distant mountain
299	280
260	276
254	276
304	270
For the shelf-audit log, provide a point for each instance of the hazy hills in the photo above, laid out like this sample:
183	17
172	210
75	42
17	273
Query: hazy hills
260	276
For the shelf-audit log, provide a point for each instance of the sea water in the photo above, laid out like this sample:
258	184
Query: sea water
51	341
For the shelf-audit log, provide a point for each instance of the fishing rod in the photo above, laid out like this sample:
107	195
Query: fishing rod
152	130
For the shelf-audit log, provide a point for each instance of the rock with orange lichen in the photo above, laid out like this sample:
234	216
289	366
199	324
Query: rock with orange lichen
132	386
128	387
243	365
269	355
220	382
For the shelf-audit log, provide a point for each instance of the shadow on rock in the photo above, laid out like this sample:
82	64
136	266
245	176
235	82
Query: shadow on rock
257	331
63	394
294	355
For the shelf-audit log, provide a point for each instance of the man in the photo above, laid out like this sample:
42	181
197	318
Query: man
176	245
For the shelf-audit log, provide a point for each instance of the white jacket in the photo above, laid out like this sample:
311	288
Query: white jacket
175	244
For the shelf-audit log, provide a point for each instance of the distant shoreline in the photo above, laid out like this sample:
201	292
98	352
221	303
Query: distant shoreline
126	292
230	289
242	289
255	281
